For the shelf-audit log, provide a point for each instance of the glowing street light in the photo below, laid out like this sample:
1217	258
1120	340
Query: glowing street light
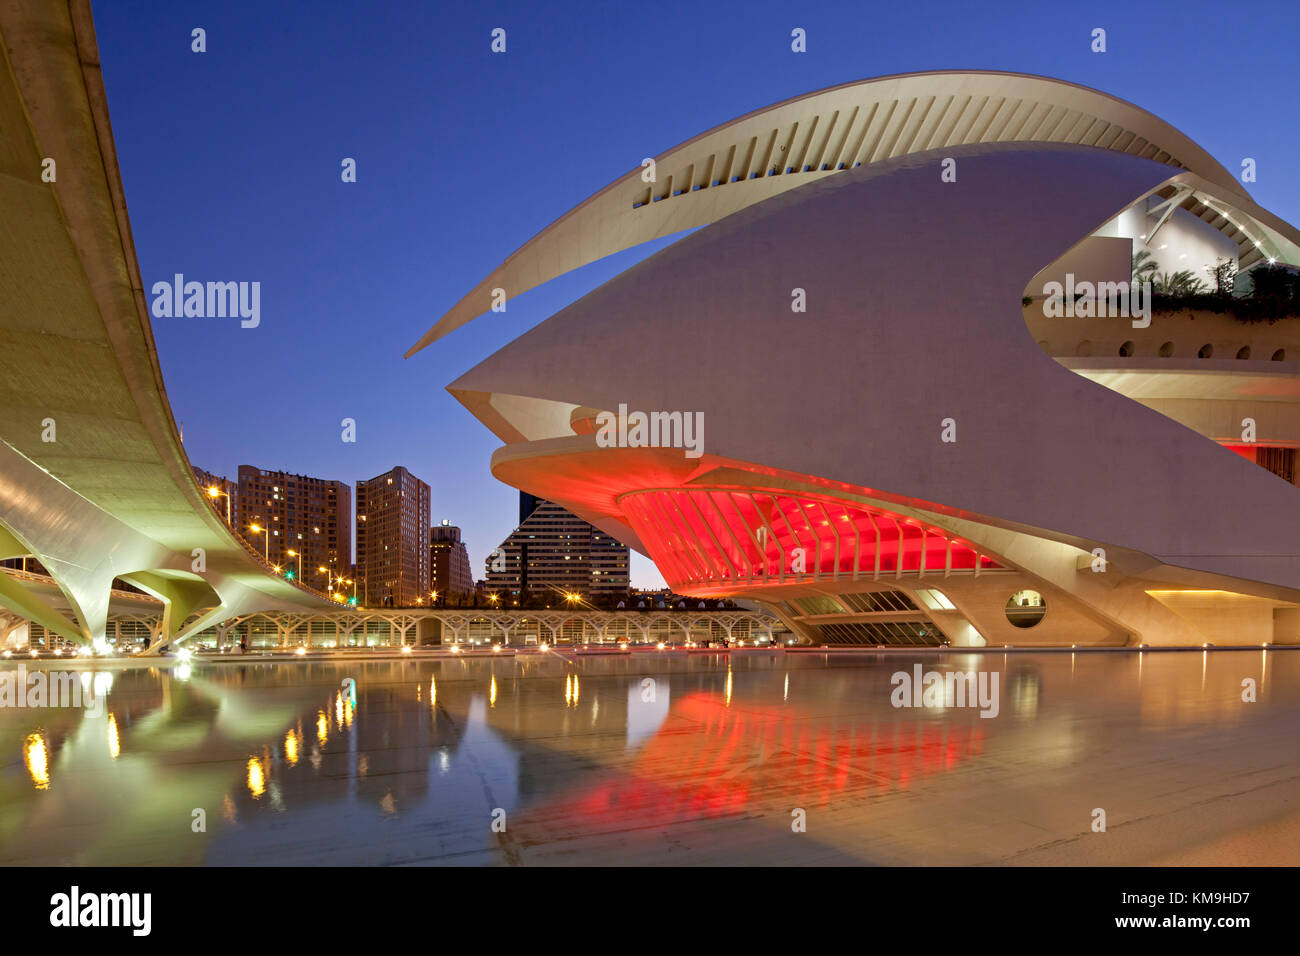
266	536
214	492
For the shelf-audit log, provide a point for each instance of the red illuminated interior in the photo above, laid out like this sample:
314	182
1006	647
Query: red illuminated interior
711	537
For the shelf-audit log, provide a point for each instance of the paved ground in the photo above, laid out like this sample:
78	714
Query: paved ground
584	761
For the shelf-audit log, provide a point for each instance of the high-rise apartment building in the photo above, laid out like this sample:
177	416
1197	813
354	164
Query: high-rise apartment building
449	573
311	517
393	539
553	551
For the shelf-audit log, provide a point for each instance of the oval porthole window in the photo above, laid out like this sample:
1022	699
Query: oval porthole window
1084	349
1167	350
1205	351
1126	350
1243	352
1025	608
1279	355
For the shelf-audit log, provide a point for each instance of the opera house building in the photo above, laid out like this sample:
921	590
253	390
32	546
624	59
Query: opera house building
931	403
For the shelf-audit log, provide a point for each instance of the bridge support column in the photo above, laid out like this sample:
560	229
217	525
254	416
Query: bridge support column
180	598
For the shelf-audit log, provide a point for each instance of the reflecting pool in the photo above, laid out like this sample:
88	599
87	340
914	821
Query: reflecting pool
752	758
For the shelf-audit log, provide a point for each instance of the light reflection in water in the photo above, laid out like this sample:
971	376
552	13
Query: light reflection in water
36	754
736	736
256	779
568	690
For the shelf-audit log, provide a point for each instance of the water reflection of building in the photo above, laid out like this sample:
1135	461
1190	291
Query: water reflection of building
549	722
560	742
402	720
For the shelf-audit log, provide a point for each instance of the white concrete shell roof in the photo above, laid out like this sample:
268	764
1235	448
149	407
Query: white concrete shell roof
897	337
801	140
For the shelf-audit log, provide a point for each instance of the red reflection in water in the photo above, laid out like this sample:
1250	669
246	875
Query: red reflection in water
734	758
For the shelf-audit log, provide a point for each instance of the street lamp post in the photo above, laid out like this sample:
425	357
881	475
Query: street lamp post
214	492
351	581
266	540
295	554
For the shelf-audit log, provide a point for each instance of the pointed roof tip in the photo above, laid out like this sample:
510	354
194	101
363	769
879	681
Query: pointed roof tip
449	322
426	340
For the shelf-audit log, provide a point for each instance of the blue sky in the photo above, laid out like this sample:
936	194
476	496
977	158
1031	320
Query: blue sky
231	162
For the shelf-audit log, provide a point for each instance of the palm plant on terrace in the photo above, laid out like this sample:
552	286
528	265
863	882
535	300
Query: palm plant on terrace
1182	282
1144	267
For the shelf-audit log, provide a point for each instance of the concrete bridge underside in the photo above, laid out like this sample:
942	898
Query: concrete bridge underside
94	482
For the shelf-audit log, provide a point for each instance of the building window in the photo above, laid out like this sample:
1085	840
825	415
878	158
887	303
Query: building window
1025	608
1280	461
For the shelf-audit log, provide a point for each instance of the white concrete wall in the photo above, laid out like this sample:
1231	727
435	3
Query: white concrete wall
1183	242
